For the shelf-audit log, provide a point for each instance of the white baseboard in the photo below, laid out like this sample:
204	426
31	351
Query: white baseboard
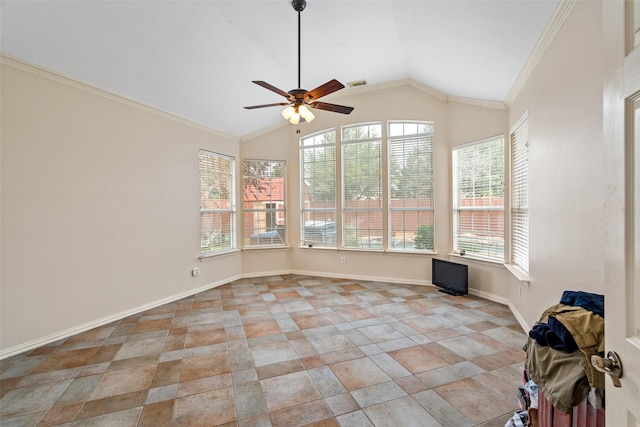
266	273
503	301
367	278
490	297
12	351
523	324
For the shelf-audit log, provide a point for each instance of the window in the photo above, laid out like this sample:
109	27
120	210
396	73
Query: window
362	186
411	186
520	195
364	222
217	209
478	199
264	203
318	187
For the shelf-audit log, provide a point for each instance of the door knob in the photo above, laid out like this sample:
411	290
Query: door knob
611	365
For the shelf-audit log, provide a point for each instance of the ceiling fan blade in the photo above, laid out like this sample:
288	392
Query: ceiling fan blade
327	88
273	88
332	107
252	107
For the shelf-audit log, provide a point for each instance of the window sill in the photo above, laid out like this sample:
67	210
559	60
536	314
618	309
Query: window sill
263	248
370	251
477	259
322	248
520	274
333	248
411	252
218	254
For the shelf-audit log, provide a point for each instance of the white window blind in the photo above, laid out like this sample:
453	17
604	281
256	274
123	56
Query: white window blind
478	198
410	166
318	189
217	208
362	186
264	203
520	195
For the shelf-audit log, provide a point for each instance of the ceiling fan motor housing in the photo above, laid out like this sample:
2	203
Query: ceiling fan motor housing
299	5
297	98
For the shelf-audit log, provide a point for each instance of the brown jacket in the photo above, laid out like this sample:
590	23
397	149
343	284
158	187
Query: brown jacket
565	378
558	375
587	329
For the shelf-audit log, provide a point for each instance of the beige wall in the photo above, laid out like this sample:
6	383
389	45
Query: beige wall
99	199
99	208
454	123
563	97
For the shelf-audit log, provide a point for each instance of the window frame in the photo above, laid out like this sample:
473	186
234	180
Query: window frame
373	238
273	208
228	244
458	209
318	225
427	234
519	195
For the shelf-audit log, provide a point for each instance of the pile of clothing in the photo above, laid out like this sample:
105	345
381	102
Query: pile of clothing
560	346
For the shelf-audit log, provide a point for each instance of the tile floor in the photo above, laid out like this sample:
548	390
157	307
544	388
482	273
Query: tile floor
285	350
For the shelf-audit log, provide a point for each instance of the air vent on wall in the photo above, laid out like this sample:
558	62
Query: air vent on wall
357	83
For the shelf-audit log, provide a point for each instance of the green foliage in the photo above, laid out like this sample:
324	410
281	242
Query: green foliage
411	169
320	172
424	237
481	170
362	170
362	162
350	237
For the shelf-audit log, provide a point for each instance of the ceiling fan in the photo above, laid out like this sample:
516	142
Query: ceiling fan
300	100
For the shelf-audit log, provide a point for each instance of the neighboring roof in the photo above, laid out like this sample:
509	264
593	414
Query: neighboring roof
267	190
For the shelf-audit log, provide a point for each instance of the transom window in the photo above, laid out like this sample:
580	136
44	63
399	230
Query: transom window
478	199
217	209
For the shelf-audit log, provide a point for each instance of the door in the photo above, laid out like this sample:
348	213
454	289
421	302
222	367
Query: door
621	108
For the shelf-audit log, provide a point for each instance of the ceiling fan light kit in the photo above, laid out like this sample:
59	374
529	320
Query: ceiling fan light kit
300	101
293	114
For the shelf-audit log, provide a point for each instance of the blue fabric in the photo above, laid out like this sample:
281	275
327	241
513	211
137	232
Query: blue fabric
538	333
586	300
553	334
559	336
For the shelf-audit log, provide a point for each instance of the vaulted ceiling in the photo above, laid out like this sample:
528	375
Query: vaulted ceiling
196	59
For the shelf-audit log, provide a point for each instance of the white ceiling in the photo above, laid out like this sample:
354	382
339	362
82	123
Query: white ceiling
197	59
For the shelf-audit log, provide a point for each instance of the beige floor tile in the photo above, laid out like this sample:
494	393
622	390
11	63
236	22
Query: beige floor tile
288	350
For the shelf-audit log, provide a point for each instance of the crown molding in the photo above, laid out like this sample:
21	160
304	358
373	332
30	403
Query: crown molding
26	66
372	87
22	65
428	89
479	102
553	26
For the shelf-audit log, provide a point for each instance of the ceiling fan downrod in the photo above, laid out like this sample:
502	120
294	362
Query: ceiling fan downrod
299	101
298	6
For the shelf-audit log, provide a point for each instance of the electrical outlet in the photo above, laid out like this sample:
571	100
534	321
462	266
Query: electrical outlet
343	259
195	272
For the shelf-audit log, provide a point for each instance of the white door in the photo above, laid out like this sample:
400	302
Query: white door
621	21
